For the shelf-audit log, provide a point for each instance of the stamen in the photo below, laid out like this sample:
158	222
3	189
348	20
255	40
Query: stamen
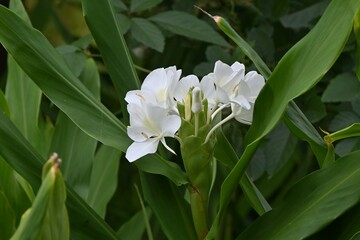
145	135
140	96
231	116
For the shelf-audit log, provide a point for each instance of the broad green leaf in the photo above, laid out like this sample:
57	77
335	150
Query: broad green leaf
314	108
351	131
77	162
346	146
134	228
44	65
26	161
7	220
301	67
344	87
147	33
310	204
23	96
112	46
356	104
169	207
141	5
47	218
189	26
74	57
104	178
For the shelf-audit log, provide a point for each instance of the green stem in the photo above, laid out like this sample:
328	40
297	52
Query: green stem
199	212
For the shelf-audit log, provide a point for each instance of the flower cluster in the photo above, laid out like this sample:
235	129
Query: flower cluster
153	109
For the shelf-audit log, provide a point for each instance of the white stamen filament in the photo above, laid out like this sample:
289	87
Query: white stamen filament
231	116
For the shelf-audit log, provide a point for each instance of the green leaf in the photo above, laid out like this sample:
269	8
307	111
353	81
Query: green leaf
10	186
27	162
169	207
3	104
313	202
357	37
189	26
344	87
43	64
124	22
305	17
342	120
104	178
7	220
118	5
301	67
67	137
112	46
147	33
74	57
141	5
135	227
47	218
280	146
23	96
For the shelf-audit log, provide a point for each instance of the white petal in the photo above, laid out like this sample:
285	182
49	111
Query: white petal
184	85
222	71
171	125
241	101
139	134
238	67
155	81
255	82
246	116
139	149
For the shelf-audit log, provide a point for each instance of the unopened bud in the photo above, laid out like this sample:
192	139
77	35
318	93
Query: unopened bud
196	100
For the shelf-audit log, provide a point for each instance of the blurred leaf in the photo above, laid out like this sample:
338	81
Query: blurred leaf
112	46
314	108
263	43
74	57
103	180
257	165
279	148
305	17
135	227
357	37
189	26
47	218
356	104
118	6
301	67
147	33
169	207
343	120
7	220
141	5
346	146
215	53
124	22
310	204
344	87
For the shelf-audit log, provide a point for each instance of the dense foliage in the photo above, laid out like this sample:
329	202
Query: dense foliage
293	174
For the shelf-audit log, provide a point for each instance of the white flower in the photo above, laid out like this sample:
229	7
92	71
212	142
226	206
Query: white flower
226	79
248	90
149	125
157	89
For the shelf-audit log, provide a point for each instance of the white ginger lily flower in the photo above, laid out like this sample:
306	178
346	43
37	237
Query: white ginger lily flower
149	125
226	79
243	105
157	89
